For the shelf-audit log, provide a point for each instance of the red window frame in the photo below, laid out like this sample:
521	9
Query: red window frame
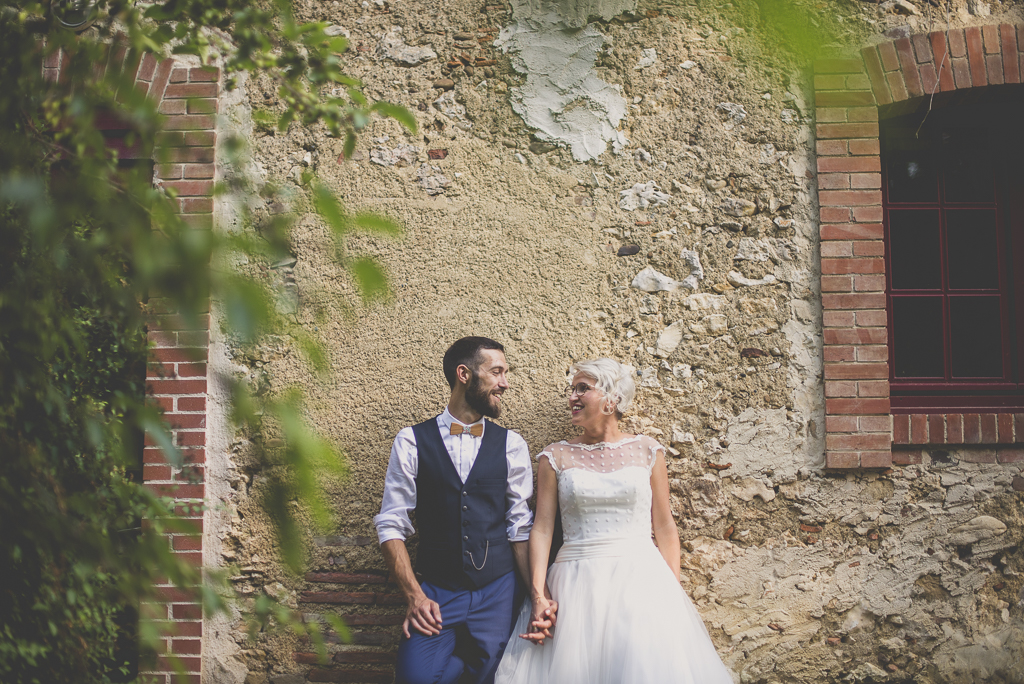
927	395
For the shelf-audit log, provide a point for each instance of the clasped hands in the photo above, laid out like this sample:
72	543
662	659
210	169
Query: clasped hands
542	619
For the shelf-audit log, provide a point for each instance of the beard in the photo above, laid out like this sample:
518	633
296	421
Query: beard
480	400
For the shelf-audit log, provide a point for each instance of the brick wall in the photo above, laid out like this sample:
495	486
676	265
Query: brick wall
860	431
176	374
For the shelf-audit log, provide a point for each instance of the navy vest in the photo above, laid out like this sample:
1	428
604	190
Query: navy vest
463	540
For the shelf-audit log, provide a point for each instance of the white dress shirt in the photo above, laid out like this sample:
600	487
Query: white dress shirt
400	481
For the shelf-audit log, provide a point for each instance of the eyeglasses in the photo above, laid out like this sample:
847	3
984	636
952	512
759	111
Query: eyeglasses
578	389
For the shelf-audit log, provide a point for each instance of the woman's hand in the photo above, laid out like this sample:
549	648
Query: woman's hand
542	619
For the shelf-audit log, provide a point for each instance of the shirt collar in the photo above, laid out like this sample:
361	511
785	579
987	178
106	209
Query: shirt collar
446	419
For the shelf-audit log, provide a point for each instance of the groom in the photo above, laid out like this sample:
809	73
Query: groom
468	481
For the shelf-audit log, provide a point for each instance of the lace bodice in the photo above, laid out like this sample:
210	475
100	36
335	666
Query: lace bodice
604	490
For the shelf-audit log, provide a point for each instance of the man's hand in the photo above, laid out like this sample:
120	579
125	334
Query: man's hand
542	620
423	615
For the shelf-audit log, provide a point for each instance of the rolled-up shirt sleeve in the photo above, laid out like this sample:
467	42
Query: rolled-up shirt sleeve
518	516
394	522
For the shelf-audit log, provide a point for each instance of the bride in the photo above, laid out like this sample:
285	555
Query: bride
622	617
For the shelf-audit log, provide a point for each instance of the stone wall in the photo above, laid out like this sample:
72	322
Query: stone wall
640	186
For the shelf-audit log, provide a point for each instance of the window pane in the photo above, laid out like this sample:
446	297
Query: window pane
971	249
914	249
967	166
976	337
911	177
917	337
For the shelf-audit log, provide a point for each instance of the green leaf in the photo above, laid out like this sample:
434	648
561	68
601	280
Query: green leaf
329	207
350	145
370	278
396	112
339	627
376	223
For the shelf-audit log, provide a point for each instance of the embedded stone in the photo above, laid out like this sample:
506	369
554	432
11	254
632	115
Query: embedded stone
650	280
628	250
739	280
669	339
749	488
978	529
734	206
444	84
393	47
642	196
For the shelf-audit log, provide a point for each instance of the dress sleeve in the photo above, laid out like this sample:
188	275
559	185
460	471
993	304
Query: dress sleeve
654	446
548	453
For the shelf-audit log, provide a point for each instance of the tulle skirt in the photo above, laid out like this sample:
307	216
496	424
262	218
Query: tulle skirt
622	619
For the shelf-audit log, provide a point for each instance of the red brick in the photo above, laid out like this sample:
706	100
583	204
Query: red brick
831	147
176	322
153	473
873	352
187	646
975	56
875	459
841	424
179	76
897	86
198	221
873	388
867	181
178	491
838	389
879	86
833	181
838	353
855	336
867	214
844	371
167	663
922	48
864	146
859	82
163	338
147	68
869	283
907	456
189	155
890	60
875	424
830	114
202	106
829	82
1010	455
190	90
160	78
200	171
186	421
957	43
994	69
867	441
977	456
937	428
190	122
847	130
853	301
1018	427
187	542
954	428
838	319
849	198
169	171
200	138
990	34
961	72
197	338
192	403
192	188
942	60
164	403
918	428
1005	425
929	79
836	283
835	214
177	355
172	107
192	370
198	205
1008	43
165	139
191	438
848	266
909	66
852	231
988	429
848	164
176	386
842	460
857	407
843	98
972	428
869	248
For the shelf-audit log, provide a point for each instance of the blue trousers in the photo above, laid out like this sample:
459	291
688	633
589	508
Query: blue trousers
476	625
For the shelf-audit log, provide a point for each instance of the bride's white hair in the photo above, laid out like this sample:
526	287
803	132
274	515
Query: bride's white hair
613	378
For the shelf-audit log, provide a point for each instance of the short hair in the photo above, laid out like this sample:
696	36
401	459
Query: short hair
466	352
613	378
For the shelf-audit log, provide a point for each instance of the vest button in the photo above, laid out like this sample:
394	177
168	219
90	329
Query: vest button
465	508
465	539
465	493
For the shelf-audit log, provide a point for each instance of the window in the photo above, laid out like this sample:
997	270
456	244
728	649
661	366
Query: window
953	199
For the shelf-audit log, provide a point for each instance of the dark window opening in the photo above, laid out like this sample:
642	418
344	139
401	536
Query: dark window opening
953	198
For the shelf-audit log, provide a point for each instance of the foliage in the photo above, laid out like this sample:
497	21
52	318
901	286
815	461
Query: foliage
86	240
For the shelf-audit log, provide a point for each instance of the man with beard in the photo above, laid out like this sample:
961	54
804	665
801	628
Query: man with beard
468	481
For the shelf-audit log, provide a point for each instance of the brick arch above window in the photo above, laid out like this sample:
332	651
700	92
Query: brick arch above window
860	428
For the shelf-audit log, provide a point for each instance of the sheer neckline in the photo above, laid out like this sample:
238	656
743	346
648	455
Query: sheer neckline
602	445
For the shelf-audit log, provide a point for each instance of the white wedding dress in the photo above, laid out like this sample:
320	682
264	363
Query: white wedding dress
622	616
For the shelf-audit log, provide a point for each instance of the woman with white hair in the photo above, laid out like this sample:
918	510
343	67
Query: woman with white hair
620	615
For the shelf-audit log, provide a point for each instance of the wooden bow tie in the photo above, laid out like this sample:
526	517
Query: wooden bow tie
475	430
